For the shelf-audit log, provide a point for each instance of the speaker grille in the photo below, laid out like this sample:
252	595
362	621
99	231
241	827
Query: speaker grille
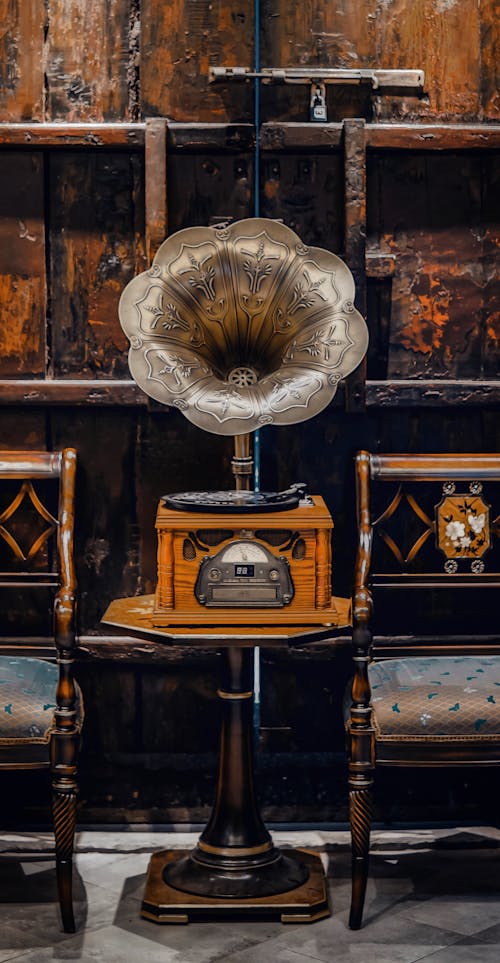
188	550
213	536
276	536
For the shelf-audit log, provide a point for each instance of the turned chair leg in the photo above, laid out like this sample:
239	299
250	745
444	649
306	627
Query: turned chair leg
64	814
360	817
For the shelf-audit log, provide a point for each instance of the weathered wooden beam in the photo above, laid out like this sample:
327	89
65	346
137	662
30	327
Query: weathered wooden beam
108	135
211	137
125	393
156	184
126	650
274	136
431	394
300	136
281	135
355	238
432	136
66	391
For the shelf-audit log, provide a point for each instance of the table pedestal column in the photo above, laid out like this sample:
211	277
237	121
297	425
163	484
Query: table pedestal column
235	870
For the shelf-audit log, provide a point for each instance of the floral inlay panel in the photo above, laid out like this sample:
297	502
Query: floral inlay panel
463	526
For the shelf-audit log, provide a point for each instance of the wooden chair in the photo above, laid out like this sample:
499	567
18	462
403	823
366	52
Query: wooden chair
40	705
433	538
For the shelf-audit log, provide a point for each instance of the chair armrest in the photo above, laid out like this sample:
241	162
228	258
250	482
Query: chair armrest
65	601
362	597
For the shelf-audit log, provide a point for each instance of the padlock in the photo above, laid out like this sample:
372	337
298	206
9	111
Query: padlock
317	110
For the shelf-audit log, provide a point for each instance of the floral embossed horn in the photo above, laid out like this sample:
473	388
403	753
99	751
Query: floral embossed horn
242	327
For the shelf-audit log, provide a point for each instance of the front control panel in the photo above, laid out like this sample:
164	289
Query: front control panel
243	574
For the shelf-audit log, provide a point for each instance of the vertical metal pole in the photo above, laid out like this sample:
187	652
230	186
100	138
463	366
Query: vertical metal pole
256	444
256	195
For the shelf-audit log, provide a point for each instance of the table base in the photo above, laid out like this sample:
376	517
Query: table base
164	903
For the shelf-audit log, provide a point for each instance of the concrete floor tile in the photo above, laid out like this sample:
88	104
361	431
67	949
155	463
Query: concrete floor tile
10	954
431	895
269	953
479	953
460	915
490	935
106	945
388	933
29	908
111	870
197	942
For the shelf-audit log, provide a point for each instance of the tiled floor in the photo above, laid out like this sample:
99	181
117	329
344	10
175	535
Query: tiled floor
433	895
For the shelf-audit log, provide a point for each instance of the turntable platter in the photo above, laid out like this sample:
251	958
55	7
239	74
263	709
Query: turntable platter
237	502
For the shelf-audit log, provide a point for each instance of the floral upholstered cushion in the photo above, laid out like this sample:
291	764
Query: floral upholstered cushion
27	700
448	698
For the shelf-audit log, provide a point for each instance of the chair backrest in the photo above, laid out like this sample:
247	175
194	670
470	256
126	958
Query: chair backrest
37	495
429	548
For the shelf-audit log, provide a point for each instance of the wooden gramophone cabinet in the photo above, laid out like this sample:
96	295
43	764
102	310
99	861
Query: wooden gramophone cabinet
298	539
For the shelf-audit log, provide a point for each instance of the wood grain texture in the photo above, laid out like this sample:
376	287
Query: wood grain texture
95	249
87	59
306	191
22	265
311	574
209	187
155	172
21	60
432	33
179	41
67	135
490	59
407	34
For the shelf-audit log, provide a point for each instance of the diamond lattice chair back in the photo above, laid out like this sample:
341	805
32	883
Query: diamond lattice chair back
428	562
40	704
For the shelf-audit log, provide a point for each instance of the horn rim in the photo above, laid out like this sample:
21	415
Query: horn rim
301	339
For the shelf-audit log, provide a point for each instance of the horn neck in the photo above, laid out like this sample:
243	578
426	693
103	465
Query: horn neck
242	463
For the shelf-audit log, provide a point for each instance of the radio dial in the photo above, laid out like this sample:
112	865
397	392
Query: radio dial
274	575
214	574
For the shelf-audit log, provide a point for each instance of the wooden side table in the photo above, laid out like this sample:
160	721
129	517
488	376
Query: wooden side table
235	871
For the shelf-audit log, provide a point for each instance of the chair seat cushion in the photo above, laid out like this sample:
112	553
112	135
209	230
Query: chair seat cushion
436	698
27	700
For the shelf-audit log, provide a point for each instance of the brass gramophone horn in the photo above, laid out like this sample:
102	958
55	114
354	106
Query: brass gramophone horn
242	327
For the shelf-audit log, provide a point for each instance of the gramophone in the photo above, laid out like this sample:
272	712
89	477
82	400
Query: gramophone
239	328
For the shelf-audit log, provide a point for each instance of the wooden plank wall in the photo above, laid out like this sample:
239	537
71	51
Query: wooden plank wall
72	233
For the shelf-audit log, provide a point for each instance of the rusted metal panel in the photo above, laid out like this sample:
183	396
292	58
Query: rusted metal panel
179	41
87	59
21	60
22	265
95	249
432	215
